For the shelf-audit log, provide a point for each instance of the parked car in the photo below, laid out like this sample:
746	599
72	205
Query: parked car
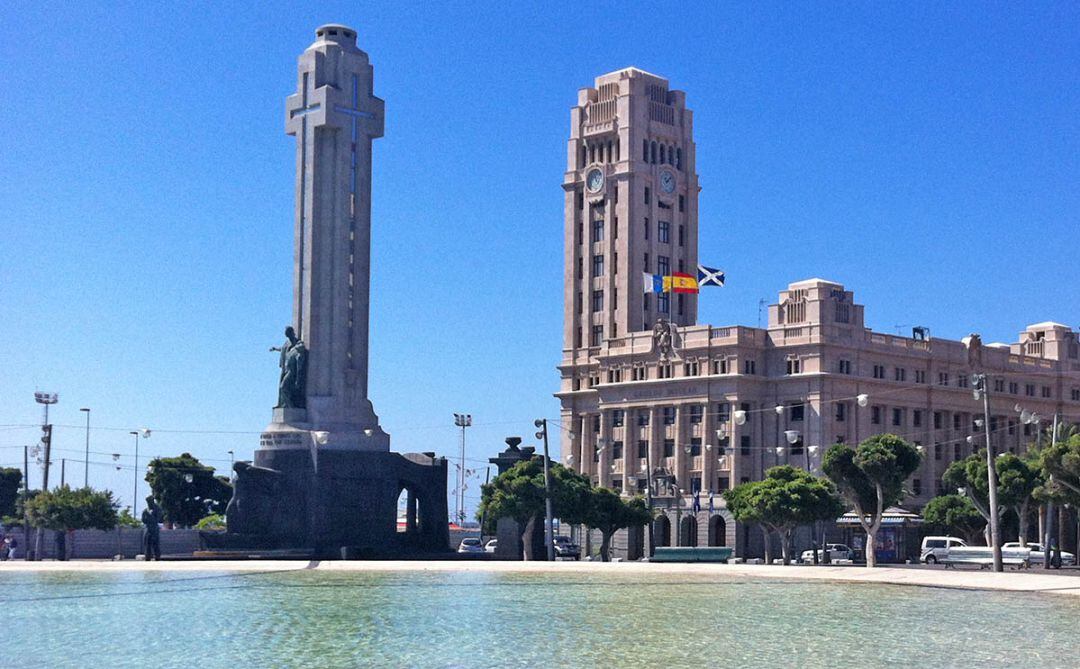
470	545
934	549
490	546
564	548
836	552
1037	554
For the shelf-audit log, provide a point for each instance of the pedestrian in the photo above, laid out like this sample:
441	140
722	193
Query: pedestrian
12	544
151	519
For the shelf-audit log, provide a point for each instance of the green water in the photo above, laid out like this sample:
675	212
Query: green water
398	619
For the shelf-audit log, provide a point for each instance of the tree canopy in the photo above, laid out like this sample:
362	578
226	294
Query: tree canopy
954	514
10	483
185	502
73	509
1062	459
871	477
608	512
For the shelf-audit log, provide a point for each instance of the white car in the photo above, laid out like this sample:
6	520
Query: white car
1037	554
836	552
470	545
490	546
936	549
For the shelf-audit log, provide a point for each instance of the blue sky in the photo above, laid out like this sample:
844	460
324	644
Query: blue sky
926	156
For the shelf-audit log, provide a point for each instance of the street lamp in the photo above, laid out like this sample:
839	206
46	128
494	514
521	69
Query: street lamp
86	462
232	459
980	390
462	420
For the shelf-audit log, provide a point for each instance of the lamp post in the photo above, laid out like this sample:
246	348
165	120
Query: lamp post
232	459
86	462
145	434
980	390
549	531
462	420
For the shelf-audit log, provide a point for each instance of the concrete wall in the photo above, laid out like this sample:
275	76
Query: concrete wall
97	544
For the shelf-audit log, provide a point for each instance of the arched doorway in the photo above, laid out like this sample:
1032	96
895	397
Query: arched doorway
688	531
662	531
717	531
408	514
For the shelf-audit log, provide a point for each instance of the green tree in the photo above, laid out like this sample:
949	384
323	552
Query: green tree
747	508
871	477
73	509
1062	459
10	484
211	522
954	514
608	512
518	493
125	519
186	489
1017	480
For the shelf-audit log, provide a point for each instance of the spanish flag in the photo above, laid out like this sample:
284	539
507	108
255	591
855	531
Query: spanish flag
680	283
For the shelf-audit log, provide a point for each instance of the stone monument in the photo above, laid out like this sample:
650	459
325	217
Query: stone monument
324	478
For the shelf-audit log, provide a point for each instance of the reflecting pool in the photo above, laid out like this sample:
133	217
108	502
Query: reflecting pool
433	619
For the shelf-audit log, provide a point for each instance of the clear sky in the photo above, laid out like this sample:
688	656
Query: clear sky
928	157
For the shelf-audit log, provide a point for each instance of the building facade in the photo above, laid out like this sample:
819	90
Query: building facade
720	405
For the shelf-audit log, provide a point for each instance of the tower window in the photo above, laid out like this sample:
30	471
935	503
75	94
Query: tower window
646	263
598	230
646	227
598	300
664	232
682	203
682	235
681	302
647	195
662	303
597	335
678	159
663	159
663	265
645	150
598	265
653	147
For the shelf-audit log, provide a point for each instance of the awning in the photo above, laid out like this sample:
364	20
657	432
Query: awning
892	517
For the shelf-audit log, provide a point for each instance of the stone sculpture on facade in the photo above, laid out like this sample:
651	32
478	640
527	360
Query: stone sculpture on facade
662	338
293	363
973	342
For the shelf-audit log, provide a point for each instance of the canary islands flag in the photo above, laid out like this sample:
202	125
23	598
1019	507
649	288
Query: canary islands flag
674	283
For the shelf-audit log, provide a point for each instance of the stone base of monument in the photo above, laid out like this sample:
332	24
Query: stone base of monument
309	497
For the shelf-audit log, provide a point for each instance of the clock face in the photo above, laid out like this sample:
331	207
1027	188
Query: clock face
594	180
667	181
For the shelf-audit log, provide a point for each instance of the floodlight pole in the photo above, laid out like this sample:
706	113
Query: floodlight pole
462	420
46	436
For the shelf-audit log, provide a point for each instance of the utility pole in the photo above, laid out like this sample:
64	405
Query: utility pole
1047	559
63	470
26	498
549	531
462	420
86	462
483	515
981	389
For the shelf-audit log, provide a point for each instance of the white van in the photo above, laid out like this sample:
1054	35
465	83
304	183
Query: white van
935	549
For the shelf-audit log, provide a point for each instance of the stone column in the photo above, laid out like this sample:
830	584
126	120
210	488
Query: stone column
604	466
709	457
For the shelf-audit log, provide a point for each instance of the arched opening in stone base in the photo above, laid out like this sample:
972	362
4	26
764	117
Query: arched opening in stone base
662	531
409	525
688	531
717	531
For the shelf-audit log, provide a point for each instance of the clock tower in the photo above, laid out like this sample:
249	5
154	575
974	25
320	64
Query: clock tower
630	209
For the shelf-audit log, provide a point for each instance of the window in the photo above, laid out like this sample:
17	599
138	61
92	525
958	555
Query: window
920	376
844	367
682	235
999	385
645	150
646	234
596	423
669	415
642	416
956	453
900	374
1014	388
663	265
938	416
695	446
897	416
663	232
695	483
796	412
598	265
879	371
875	415
680	301
1046	391
643	448
744	445
669	448
724	483
616	450
723	412
691	368
749	367
695	413
794	365
937	451
1075	394
648	195
639	373
1029	389
577	337
663	303
663	371
943	378
618	418
596	454
721	366
916	418
597	335
841	412
580	267
682	203
597	300
957	421
598	230
962	380
616	485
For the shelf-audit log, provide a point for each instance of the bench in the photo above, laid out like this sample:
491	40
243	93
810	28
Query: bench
691	554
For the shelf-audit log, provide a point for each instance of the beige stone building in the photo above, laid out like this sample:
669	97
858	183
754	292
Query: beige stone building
725	403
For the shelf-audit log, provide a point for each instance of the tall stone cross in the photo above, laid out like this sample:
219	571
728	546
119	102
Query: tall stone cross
334	117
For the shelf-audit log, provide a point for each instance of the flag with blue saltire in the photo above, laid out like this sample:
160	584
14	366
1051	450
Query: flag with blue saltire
710	276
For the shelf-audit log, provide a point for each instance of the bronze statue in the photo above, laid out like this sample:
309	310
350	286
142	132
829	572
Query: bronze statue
151	519
256	494
293	362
